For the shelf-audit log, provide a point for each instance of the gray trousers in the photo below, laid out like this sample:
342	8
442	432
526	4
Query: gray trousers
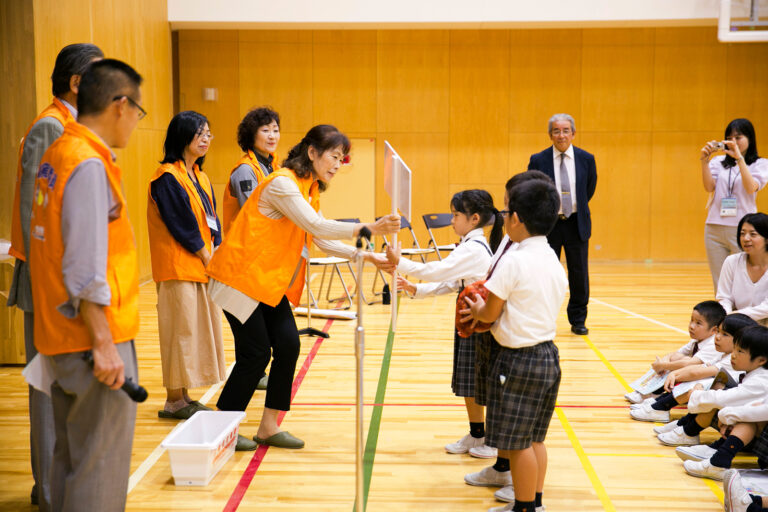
94	435
42	434
720	242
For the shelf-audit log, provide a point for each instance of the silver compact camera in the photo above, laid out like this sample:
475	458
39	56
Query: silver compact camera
719	146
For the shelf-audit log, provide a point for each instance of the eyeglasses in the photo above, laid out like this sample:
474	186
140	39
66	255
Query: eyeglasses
206	135
142	112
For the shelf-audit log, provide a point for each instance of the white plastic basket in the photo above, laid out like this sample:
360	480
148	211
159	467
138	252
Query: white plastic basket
201	445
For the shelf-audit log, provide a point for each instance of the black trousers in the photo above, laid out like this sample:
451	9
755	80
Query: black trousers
565	235
268	332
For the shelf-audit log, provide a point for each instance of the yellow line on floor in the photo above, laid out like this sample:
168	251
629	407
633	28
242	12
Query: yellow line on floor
607	363
586	464
715	487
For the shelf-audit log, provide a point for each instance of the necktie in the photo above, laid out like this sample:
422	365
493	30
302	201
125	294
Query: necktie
509	244
565	188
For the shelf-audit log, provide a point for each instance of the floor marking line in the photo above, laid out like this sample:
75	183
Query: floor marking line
369	454
585	463
374	404
716	489
250	471
638	315
606	363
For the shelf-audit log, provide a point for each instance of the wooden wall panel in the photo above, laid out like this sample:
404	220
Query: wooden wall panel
344	95
479	123
214	64
467	108
621	206
413	83
677	197
17	104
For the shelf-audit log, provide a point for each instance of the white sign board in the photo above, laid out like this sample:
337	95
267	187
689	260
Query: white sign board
397	181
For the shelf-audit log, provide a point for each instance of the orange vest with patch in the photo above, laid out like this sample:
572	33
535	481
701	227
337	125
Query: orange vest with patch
61	113
55	333
170	260
260	256
230	203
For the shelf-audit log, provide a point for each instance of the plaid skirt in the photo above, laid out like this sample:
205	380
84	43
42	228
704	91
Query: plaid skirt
463	378
522	391
760	448
486	350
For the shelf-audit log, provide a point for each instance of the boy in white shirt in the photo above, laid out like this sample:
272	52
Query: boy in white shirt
750	354
705	318
752	417
524	301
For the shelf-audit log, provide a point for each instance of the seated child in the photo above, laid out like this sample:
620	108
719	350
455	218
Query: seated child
672	433
750	354
737	498
525	297
705	318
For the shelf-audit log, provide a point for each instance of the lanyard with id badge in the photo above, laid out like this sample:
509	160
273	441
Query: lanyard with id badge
728	205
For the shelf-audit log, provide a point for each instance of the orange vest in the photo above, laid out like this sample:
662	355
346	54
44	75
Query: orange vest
260	255
230	203
54	333
60	112
170	260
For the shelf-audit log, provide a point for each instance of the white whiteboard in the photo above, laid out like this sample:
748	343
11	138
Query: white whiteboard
397	181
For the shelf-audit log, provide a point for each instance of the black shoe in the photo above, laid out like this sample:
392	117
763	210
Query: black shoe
581	330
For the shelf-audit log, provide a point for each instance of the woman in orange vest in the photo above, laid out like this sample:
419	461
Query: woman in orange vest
260	267
183	232
257	135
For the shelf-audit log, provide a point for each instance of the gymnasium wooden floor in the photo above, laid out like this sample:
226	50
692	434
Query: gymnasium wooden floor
599	458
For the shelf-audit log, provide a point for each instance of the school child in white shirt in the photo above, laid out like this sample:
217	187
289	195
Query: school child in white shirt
524	301
750	354
753	416
467	263
672	434
705	318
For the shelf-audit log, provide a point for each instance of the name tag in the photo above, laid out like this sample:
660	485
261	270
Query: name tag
728	207
212	222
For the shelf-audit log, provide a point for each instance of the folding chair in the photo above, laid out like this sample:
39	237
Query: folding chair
436	221
333	261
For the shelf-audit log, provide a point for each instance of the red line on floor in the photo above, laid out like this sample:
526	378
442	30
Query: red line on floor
350	404
245	481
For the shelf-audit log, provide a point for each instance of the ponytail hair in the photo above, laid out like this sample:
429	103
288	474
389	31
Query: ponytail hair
475	201
322	137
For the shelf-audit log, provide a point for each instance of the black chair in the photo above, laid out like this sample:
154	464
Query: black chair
437	221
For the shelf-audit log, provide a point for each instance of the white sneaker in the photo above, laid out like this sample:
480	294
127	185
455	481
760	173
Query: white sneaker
678	437
669	427
464	444
737	498
648	401
506	494
483	451
511	506
698	452
489	477
703	469
647	413
635	397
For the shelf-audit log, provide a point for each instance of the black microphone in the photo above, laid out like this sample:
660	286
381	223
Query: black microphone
364	233
132	389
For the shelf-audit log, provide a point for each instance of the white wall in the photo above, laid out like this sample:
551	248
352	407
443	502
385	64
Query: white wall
207	14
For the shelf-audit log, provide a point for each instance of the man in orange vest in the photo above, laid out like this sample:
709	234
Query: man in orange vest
84	275
46	127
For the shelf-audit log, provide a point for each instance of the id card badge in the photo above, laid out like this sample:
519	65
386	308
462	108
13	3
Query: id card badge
212	222
728	207
305	253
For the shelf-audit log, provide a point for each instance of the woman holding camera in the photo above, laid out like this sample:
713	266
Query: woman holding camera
734	179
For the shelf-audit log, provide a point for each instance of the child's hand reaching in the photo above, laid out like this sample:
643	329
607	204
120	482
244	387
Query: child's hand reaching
404	284
670	382
658	365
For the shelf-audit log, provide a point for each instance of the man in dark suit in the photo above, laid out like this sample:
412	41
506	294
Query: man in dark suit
575	175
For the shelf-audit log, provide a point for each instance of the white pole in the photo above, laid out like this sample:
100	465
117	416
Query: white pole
359	354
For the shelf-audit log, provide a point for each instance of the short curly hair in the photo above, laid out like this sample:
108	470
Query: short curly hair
253	120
